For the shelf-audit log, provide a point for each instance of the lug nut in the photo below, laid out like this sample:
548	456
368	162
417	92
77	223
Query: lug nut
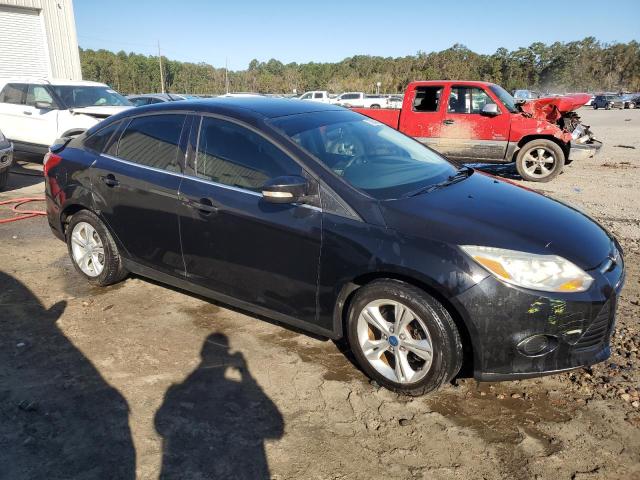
402	337
402	349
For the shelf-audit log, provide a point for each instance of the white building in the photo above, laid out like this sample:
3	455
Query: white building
38	38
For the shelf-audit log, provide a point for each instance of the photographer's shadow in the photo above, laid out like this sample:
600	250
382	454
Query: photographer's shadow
214	424
59	418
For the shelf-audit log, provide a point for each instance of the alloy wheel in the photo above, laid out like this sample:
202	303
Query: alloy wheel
539	162
87	249
395	341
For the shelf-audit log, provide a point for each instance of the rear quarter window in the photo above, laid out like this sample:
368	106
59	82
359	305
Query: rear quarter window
98	141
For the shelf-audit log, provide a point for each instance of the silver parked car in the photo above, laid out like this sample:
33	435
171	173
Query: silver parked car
6	158
151	98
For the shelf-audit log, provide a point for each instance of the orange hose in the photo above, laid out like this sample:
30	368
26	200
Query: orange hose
24	213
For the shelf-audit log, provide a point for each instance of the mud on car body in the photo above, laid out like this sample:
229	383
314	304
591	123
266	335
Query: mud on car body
321	218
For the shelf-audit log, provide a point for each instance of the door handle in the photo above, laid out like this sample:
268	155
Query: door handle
110	180
448	121
204	206
27	112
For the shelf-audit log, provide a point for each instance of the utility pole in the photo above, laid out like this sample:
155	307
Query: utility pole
161	72
226	74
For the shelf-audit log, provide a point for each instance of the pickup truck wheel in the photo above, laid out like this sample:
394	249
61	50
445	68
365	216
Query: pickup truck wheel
403	338
540	160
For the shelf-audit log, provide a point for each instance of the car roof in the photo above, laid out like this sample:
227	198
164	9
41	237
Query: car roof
163	96
253	106
51	81
448	82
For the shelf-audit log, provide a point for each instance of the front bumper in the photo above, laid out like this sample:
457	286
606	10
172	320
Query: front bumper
582	151
6	156
578	326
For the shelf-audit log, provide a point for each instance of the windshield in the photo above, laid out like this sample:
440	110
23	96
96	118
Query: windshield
505	97
77	96
367	154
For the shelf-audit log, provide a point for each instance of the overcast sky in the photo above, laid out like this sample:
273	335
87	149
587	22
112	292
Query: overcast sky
327	31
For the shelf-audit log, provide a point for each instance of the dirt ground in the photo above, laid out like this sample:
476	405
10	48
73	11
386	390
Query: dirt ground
140	380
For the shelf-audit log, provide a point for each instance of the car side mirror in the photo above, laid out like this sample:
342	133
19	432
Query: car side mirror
490	109
43	105
287	189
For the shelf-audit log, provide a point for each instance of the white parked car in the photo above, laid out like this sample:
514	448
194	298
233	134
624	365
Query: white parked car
35	112
321	96
361	100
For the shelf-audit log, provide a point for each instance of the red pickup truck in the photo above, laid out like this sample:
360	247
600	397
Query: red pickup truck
481	122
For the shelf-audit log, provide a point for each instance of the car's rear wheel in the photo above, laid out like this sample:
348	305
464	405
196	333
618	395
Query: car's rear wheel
92	250
403	338
540	160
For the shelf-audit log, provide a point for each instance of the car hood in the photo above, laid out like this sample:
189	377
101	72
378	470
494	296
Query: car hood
100	112
487	211
552	108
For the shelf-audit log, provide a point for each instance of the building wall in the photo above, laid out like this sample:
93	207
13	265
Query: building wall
60	29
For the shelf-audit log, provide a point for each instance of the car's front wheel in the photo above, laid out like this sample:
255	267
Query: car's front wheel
4	179
540	160
92	250
403	338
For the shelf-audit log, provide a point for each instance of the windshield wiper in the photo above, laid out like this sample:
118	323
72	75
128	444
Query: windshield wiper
462	173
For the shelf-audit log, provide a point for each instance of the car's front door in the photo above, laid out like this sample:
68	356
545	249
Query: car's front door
233	241
40	115
469	134
135	188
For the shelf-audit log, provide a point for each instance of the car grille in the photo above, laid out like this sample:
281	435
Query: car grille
599	330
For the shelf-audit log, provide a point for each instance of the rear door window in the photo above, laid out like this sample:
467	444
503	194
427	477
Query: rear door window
233	155
14	93
153	141
317	95
427	99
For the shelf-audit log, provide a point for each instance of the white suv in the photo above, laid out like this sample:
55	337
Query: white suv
35	112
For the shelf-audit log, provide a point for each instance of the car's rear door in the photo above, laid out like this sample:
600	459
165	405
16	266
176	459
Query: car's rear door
234	242
135	186
422	113
468	134
12	107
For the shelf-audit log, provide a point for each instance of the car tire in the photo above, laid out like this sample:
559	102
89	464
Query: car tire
89	239
607	107
4	179
425	322
595	107
531	169
375	105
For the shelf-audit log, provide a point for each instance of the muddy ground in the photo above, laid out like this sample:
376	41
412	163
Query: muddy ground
140	380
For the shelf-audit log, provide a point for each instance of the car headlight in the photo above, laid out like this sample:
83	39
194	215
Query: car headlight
549	273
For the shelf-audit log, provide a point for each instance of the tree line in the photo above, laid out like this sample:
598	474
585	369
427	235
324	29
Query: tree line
586	66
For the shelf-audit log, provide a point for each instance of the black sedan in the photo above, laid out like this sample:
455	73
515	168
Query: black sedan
332	222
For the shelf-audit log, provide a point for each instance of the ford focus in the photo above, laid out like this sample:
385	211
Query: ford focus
331	222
